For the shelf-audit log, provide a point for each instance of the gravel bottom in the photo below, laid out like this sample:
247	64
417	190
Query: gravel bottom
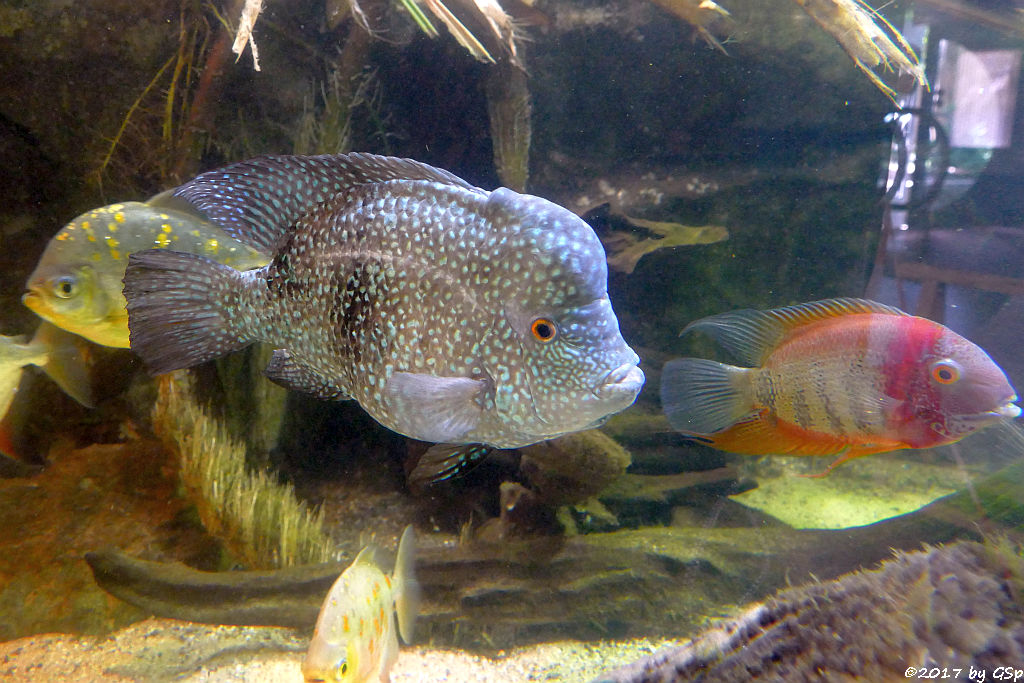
159	649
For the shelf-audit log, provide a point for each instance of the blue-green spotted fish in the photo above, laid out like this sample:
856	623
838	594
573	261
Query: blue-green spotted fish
77	283
451	314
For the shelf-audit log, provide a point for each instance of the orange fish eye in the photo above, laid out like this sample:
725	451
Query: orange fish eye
544	330
945	372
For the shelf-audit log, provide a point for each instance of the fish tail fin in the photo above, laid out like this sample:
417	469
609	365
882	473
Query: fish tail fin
67	362
703	396
407	589
183	309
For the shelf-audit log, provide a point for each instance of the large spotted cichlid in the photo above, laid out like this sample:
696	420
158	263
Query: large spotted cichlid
451	314
847	377
77	283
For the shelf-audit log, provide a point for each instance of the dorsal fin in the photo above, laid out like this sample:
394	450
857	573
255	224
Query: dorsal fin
257	200
368	555
168	201
751	334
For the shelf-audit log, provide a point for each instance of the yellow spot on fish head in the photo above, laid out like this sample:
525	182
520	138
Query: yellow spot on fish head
119	217
96	256
362	627
115	254
376	589
387	580
64	234
162	240
212	246
344	623
195	233
112	241
166	227
85	225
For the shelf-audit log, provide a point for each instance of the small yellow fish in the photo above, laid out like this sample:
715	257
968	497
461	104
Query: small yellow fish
77	283
355	638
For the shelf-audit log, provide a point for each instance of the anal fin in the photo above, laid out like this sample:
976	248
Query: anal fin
292	373
857	452
762	434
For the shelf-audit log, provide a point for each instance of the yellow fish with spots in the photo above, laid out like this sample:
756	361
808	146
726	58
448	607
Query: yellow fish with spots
77	283
355	638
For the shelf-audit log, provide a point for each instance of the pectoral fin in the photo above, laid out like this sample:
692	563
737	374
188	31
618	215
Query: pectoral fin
431	408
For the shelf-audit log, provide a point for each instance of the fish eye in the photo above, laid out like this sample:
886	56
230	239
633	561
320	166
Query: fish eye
65	287
945	372
544	330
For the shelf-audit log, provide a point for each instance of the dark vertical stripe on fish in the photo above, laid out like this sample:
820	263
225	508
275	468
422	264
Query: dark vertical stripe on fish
801	409
835	423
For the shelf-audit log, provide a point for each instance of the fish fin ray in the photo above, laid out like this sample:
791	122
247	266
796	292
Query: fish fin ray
67	362
446	461
177	317
407	589
751	335
258	200
438	409
292	373
761	434
703	396
858	451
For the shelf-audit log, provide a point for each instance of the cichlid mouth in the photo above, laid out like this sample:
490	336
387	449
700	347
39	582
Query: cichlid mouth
625	379
1008	410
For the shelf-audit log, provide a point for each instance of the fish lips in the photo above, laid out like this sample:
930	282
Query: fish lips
623	383
36	302
1006	410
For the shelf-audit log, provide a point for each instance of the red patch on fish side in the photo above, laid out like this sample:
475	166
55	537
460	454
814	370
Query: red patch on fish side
919	404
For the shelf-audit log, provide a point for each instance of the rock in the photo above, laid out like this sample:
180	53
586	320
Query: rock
955	607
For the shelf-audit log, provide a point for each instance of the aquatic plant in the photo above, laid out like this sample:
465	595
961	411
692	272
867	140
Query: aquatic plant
160	133
260	521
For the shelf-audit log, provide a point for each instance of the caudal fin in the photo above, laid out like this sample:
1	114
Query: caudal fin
703	396
183	309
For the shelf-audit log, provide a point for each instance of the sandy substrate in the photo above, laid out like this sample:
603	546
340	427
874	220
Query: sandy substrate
161	649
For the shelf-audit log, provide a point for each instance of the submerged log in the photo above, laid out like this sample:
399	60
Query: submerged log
664	580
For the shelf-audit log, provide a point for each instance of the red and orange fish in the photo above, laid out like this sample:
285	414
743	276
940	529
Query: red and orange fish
842	376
